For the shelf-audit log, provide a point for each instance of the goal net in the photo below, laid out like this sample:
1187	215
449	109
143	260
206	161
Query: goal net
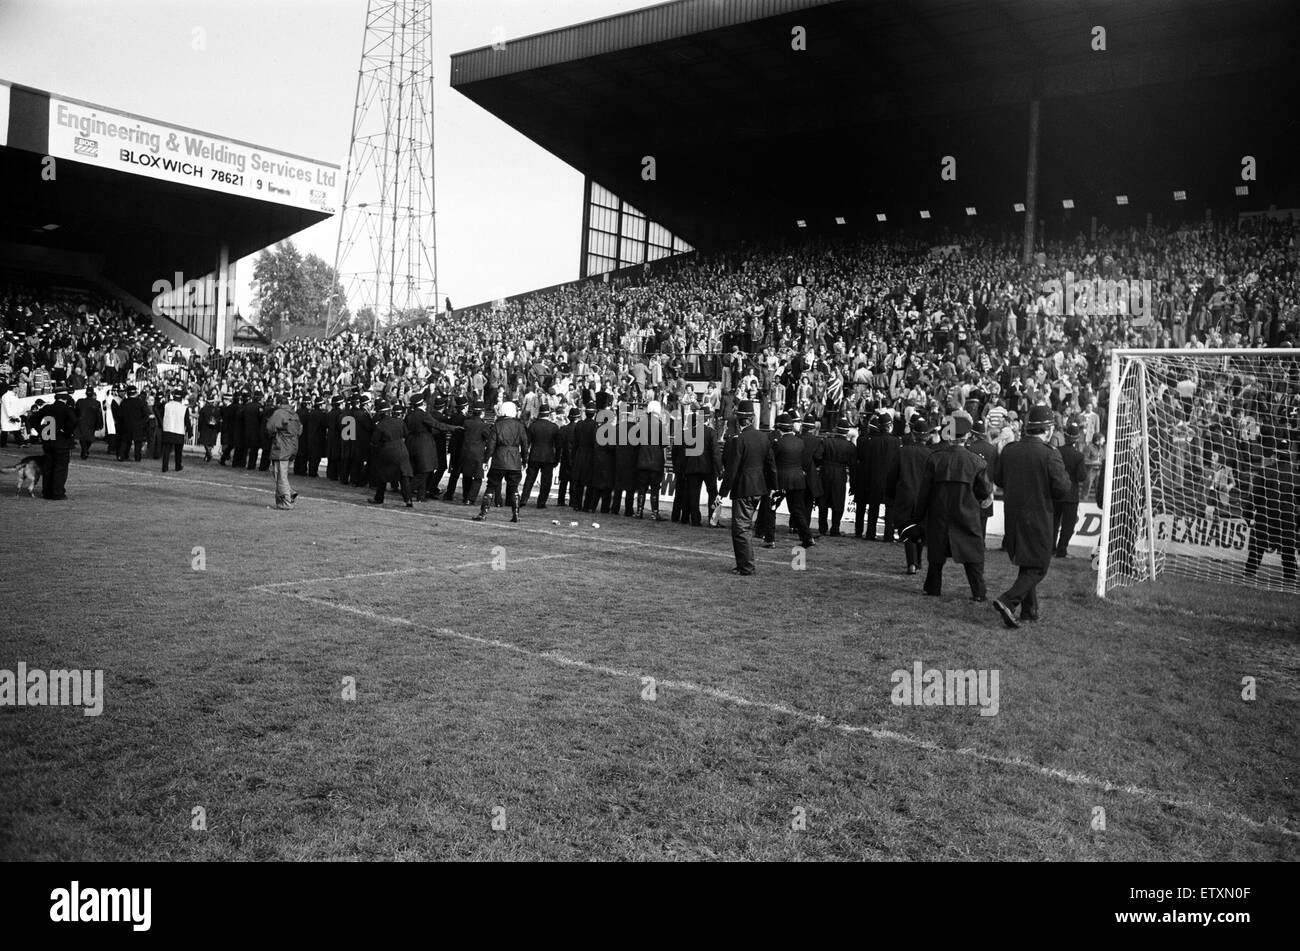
1201	468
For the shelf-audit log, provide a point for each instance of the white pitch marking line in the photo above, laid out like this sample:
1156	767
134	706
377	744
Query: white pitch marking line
407	571
816	719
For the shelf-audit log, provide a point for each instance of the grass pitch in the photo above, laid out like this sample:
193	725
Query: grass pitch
502	708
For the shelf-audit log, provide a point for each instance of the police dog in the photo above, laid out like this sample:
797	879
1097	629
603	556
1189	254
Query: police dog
29	474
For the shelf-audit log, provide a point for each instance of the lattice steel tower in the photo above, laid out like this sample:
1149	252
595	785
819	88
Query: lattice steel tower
386	257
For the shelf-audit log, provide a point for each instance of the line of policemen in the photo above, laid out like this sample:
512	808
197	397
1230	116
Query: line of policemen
937	486
620	478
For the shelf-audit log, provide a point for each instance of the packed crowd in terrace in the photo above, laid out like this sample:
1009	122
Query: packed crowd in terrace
835	330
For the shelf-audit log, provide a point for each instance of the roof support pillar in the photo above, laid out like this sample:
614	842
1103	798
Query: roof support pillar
223	331
1031	182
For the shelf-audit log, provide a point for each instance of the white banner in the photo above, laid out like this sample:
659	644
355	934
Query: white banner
123	143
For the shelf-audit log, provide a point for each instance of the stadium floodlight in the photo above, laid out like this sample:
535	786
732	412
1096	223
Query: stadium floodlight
1243	190
801	223
1067	202
1180	195
970	211
386	254
924	213
880	216
1121	199
1019	207
839	220
1171	509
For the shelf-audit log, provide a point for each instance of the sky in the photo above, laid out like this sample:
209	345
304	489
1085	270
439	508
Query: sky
282	74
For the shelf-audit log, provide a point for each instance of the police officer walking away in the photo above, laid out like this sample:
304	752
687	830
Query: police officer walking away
1033	479
751	475
389	459
876	454
904	485
56	427
90	417
792	476
134	419
837	463
954	485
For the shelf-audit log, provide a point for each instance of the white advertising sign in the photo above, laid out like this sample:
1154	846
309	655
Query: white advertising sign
123	143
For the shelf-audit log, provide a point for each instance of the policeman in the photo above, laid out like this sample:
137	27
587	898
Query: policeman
1066	512
134	419
56	428
904	484
209	426
365	429
90	418
473	453
954	485
1033	479
650	460
875	456
438	412
543	437
507	449
980	445
335	470
837	463
584	456
792	476
565	449
814	447
347	426
250	419
389	459
232	431
316	436
455	418
699	464
751	475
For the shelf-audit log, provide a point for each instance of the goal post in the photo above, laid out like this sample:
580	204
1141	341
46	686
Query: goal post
1201	475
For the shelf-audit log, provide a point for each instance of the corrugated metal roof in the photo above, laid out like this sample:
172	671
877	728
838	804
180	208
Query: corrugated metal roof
655	24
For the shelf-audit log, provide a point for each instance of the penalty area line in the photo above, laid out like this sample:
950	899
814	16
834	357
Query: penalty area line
1070	777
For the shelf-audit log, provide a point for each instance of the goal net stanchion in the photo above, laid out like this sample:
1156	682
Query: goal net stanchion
1202	474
